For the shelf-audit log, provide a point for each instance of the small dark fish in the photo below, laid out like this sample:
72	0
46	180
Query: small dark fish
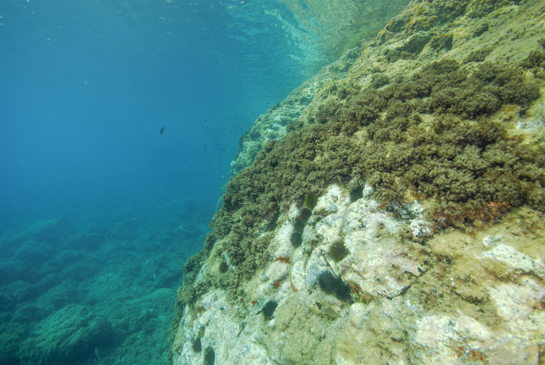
162	130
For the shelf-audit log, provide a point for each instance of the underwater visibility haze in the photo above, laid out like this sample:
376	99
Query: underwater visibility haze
119	122
272	181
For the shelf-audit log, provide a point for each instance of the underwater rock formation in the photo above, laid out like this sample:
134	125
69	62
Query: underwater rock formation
281	117
66	336
425	244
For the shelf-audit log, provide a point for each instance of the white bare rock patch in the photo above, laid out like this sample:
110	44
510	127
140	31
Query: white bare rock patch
408	302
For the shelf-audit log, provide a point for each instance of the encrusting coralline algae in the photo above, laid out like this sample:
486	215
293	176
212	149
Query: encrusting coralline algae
400	218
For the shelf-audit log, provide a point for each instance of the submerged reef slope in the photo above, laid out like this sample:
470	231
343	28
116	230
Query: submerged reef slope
343	24
281	117
398	215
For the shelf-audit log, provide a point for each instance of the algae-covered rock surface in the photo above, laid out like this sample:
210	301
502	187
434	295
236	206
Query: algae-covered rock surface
398	215
281	117
339	26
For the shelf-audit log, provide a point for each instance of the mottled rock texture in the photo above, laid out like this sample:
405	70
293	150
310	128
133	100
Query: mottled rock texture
425	243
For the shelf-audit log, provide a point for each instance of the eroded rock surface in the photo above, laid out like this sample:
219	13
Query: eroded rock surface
458	298
440	264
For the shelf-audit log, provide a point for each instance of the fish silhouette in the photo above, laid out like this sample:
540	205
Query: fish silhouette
162	130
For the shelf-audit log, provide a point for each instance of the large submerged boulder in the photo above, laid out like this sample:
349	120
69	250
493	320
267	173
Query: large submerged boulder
399	218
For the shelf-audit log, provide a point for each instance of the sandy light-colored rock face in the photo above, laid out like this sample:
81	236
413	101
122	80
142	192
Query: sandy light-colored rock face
457	299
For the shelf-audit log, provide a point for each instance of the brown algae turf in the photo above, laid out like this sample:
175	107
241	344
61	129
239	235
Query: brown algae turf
428	136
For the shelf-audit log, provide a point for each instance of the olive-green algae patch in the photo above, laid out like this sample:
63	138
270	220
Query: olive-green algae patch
430	136
223	267
461	158
311	200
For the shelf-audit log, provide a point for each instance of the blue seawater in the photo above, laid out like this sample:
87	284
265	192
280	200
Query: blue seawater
118	123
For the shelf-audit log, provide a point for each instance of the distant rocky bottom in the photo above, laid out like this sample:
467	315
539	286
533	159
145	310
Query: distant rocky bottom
96	287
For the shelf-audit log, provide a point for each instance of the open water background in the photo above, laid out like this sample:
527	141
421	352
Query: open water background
98	209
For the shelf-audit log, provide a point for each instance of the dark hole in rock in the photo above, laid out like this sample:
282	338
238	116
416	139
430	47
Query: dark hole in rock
356	194
304	215
209	356
268	309
296	239
298	226
197	346
334	285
